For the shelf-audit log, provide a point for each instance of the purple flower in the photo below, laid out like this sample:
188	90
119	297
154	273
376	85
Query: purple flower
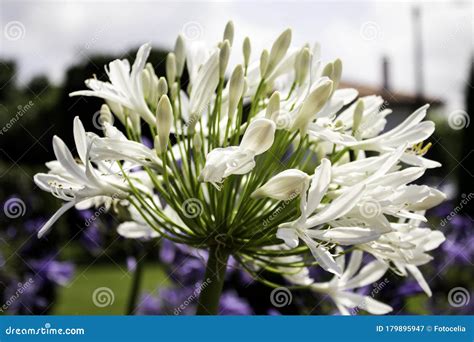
56	271
147	142
408	288
149	305
131	264
232	304
33	225
24	297
167	251
91	238
188	272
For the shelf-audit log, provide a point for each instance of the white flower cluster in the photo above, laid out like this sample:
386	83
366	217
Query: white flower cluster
276	129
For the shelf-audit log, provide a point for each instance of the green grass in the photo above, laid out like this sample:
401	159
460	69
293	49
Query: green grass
77	297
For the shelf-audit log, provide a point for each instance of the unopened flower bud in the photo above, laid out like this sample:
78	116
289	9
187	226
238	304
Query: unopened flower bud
236	89
278	51
117	110
229	32
264	62
259	136
150	69
357	118
105	115
337	73
162	87
312	105
273	107
333	70
180	54
147	82
164	120
224	55
171	68
174	90
284	186
302	65
247	50
327	70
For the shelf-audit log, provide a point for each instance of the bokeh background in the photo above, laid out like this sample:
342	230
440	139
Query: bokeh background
410	52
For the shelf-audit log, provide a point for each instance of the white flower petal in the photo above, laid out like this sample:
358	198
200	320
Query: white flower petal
259	136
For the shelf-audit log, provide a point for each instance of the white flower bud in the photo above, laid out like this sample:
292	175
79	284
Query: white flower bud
284	186
164	120
333	70
259	136
229	32
180	53
278	51
312	105
105	115
150	69
147	83
357	118
264	62
174	90
337	73
171	68
247	50
273	107
117	109
302	65
162	87
224	55
236	89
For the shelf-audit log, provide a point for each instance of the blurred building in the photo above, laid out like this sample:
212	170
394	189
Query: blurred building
402	103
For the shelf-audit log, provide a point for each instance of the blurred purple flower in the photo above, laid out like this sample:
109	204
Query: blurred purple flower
149	304
131	264
28	301
232	304
59	272
33	225
91	239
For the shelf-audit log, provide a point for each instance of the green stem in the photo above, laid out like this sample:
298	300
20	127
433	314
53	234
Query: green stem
211	288
135	289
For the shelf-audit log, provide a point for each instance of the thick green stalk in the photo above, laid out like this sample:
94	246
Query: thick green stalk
211	288
135	289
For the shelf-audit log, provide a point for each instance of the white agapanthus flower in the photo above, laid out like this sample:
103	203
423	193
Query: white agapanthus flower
268	161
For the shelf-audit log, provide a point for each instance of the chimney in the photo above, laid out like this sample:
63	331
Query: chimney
418	53
385	74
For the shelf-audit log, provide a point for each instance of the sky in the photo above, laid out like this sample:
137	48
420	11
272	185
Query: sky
45	37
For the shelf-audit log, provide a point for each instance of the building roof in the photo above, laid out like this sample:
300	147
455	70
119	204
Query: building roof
393	97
